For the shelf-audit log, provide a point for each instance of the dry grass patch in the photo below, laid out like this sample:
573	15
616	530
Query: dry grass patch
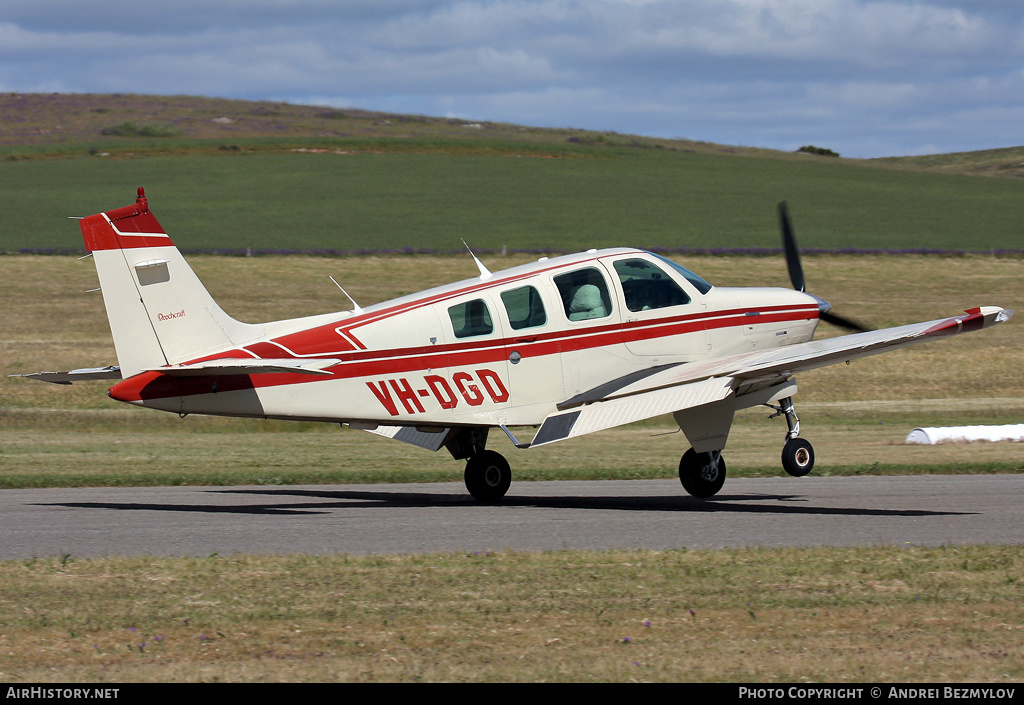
763	615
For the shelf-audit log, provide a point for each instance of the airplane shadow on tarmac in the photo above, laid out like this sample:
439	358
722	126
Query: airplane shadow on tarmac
752	503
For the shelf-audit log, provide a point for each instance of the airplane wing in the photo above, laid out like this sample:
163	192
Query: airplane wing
676	387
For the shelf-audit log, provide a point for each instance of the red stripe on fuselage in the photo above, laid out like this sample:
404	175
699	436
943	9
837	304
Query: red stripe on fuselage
606	334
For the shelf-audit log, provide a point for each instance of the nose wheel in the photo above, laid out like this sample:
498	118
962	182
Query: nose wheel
797	457
797	454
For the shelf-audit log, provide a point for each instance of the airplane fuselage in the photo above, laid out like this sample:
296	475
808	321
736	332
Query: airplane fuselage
504	349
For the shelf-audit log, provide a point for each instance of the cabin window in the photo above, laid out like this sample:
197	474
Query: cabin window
584	294
524	307
646	286
471	318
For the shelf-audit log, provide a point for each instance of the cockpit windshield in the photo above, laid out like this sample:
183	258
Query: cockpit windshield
699	283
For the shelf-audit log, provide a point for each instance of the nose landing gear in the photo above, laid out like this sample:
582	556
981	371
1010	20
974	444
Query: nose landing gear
797	454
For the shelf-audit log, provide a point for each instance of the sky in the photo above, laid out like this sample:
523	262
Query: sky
863	78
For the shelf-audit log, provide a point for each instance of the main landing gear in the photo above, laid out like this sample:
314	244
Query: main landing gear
488	476
703	474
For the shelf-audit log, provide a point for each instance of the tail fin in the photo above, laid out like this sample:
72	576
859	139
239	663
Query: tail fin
159	312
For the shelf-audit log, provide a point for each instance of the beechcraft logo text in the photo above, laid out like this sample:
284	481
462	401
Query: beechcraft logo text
169	316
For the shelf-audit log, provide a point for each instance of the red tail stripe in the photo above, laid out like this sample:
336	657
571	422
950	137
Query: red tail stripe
133	229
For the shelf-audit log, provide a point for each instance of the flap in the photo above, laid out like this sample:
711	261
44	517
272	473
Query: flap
616	412
430	439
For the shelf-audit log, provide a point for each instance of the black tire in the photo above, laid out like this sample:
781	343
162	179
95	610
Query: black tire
488	476
702	474
797	457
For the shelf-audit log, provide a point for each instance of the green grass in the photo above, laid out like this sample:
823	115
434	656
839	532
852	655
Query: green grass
594	197
140	129
278	176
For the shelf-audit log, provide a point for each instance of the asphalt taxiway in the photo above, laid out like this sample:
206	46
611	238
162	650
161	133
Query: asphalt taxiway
407	518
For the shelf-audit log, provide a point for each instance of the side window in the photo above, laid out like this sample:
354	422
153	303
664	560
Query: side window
471	318
584	294
524	307
646	287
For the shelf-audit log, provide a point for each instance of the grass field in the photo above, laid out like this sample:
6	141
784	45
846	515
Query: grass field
858	615
282	177
616	196
233	174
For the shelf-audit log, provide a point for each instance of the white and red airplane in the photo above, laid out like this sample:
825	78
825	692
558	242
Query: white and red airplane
569	345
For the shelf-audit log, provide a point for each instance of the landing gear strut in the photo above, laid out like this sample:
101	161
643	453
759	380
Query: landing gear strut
797	454
702	474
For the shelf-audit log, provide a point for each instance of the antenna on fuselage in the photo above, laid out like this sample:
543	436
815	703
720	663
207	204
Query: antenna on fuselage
355	307
485	273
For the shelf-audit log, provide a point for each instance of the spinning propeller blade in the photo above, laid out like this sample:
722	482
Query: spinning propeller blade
796	273
796	270
842	322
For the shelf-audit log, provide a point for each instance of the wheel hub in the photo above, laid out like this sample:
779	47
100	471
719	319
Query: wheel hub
492	476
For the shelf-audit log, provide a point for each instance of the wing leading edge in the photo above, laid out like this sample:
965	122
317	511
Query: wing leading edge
754	377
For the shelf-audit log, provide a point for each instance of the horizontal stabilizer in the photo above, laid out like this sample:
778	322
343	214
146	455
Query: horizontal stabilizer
247	366
81	375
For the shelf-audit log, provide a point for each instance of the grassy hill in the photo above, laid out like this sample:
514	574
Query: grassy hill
1006	163
34	125
237	175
